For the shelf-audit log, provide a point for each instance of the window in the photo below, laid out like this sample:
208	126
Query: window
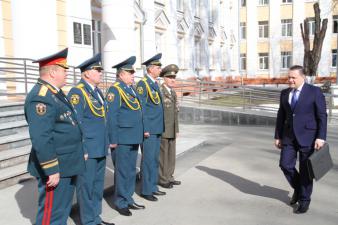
87	34
287	28
179	5
243	61
263	29
286	60
334	58
243	30
243	3
197	54
181	52
286	1
263	2
263	61
197	8
335	24
96	35
158	41
312	26
77	33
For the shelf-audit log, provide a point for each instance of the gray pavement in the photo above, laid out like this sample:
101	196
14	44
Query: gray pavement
231	178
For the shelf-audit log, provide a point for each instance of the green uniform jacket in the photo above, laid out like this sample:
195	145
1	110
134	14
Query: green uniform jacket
170	113
55	134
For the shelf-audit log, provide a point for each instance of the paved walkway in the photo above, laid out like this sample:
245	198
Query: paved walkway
232	179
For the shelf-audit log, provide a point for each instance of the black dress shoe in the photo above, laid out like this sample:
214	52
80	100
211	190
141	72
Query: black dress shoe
124	211
136	206
175	182
149	197
105	223
159	193
302	208
167	185
294	198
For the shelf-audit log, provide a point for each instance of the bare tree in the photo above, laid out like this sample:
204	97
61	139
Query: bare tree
312	56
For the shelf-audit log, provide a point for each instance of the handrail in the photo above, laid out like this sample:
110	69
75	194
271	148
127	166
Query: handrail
22	72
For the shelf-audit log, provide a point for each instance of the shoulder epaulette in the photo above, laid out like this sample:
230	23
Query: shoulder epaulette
43	90
80	85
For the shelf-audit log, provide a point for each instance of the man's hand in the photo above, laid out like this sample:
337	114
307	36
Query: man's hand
319	143
278	143
146	134
85	156
53	180
112	145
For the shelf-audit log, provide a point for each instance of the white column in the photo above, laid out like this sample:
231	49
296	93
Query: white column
149	29
77	53
275	38
324	65
298	17
217	58
2	47
189	40
227	29
171	34
34	28
233	37
118	31
204	11
252	36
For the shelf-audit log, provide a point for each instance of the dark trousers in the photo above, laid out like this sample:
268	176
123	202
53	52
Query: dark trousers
55	203
167	160
125	174
89	189
299	180
150	164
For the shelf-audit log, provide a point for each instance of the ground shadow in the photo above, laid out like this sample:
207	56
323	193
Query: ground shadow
247	186
26	198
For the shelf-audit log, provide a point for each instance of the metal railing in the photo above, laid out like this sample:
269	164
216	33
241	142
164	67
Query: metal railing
18	75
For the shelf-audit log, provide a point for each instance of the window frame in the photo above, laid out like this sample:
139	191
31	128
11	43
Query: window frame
263	26
286	59
263	59
287	27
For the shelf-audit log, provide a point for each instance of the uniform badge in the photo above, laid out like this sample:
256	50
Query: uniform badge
41	109
110	97
140	90
75	99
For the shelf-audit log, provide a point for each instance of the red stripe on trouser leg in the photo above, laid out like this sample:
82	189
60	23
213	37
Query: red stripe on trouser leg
48	205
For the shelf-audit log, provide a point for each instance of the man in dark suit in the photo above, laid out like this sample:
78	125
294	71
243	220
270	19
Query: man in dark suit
90	106
125	131
168	139
56	157
152	107
300	129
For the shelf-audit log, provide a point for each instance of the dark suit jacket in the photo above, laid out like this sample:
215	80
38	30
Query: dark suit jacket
95	136
307	122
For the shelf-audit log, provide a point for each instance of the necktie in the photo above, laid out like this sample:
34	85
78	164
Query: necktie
96	90
294	99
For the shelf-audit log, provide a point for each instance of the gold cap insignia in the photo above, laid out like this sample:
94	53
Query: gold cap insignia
41	109
75	99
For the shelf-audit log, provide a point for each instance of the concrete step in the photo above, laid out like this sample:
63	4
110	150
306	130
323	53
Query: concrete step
11	106
15	156
12	115
13	175
14	141
13	127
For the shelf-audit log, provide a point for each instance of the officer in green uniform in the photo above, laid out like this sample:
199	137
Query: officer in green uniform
149	91
90	105
168	139
56	157
125	131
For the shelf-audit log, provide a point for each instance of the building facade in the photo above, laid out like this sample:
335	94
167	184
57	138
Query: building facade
208	39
